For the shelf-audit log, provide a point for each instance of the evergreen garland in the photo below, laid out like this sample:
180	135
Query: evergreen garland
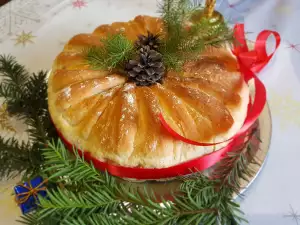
102	199
26	98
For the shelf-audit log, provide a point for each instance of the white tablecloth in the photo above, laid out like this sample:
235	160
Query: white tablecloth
35	31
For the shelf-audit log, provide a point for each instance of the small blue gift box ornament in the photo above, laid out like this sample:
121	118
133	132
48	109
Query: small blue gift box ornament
27	194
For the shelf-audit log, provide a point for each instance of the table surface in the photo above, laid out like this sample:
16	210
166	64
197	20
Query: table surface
35	31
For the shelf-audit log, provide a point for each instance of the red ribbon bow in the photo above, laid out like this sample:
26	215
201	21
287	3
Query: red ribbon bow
256	59
250	62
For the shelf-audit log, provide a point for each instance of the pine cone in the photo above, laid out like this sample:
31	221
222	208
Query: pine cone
150	40
148	70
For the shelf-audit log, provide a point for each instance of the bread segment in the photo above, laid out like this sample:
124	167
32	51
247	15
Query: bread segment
77	92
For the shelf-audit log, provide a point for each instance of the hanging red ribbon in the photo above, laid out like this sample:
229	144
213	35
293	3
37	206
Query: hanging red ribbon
250	62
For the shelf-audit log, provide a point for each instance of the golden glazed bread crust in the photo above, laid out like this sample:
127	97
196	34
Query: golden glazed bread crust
118	122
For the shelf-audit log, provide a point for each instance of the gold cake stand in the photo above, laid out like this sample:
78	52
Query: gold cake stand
265	129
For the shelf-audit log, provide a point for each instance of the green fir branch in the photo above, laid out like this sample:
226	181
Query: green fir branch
73	204
199	201
13	157
60	163
115	51
236	166
26	98
206	191
17	157
13	77
94	219
34	219
184	40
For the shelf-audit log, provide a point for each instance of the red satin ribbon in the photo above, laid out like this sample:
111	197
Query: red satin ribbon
198	164
257	58
249	62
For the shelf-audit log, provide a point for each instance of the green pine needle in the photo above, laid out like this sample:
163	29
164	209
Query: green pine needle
60	162
73	204
114	52
94	219
14	77
26	98
103	199
235	167
17	157
183	44
34	219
